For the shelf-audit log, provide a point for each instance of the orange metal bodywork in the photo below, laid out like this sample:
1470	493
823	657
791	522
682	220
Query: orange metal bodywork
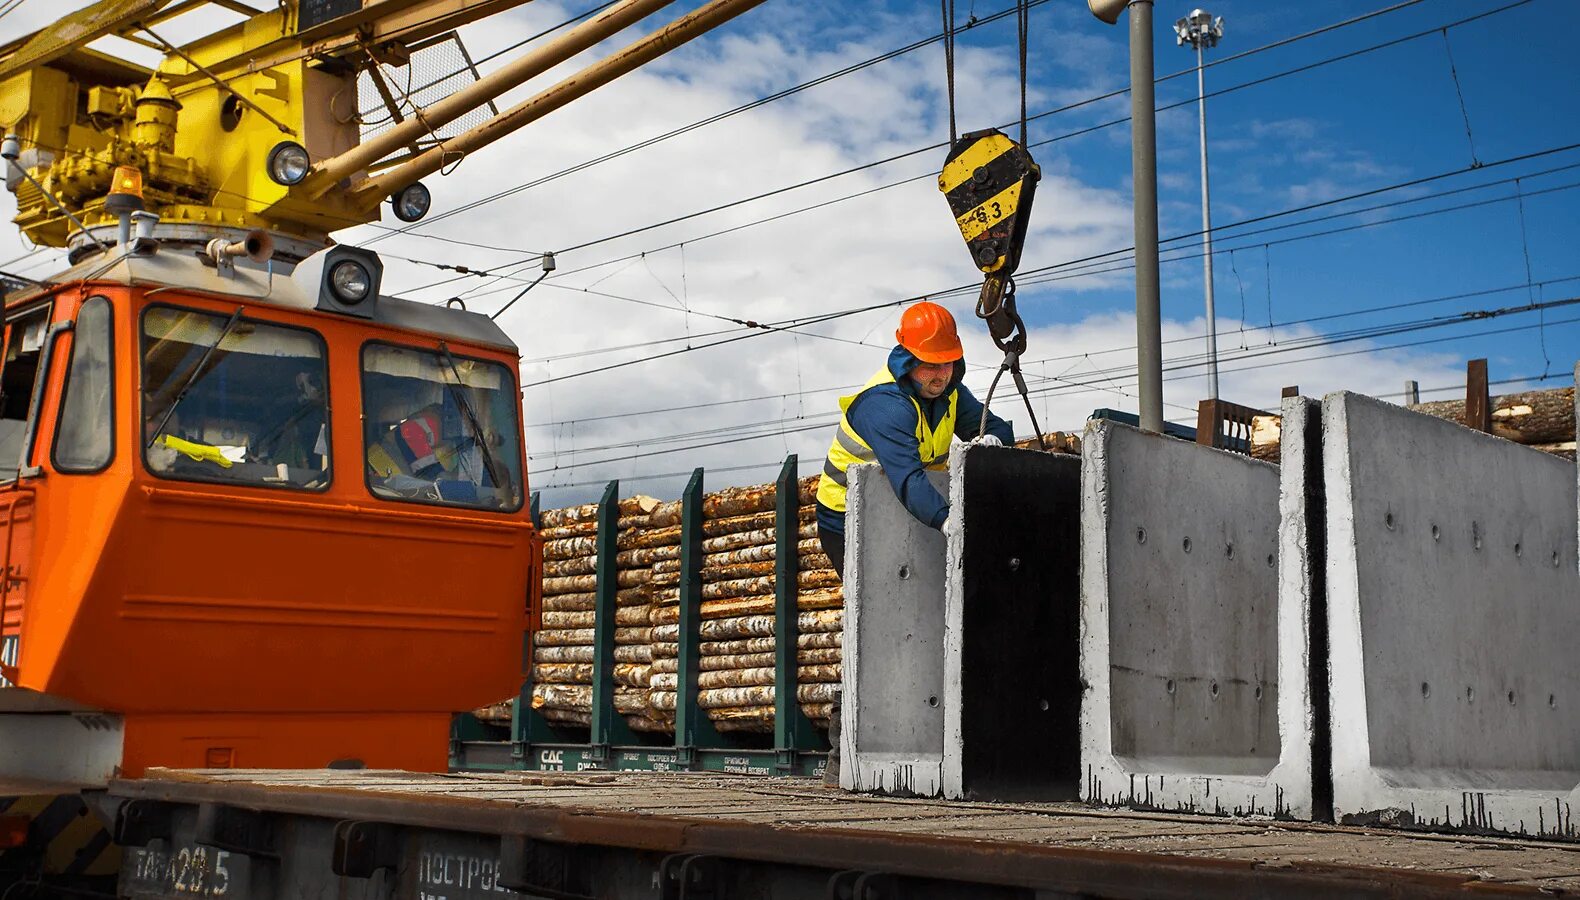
257	626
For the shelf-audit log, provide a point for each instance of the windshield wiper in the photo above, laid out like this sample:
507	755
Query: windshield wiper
489	464
192	377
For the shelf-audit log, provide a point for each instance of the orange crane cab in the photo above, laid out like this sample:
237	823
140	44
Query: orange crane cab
252	520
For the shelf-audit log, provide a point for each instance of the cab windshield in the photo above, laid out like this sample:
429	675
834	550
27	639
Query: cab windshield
440	428
232	399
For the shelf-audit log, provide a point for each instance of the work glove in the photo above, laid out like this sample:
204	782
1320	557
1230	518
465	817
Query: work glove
987	440
949	528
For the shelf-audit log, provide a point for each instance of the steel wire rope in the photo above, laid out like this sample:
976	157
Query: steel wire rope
1184	254
701	123
803	463
1078	104
516	46
1315	340
1190	338
1107	383
1035	276
1105	386
1333	26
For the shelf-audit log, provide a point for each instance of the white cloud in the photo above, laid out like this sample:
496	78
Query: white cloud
891	244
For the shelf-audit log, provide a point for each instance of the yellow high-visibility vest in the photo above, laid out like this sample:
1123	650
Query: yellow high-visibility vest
848	448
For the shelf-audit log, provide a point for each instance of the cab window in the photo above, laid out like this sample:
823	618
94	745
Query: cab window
84	439
235	400
440	428
25	336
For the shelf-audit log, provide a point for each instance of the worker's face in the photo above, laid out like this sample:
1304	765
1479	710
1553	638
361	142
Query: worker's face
932	378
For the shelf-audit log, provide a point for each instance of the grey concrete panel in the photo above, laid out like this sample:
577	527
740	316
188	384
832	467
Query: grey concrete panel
1181	638
1012	675
1454	619
891	713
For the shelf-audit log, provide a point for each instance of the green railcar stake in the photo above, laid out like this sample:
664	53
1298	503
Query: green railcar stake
693	729
608	727
793	731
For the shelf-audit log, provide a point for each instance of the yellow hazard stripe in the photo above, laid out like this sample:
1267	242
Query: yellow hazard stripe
74	840
990	212
959	170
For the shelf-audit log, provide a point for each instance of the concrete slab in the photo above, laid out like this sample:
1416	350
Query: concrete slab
1012	676
892	729
1454	621
1185	707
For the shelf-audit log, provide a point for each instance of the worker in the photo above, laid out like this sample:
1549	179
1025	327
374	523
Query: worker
905	418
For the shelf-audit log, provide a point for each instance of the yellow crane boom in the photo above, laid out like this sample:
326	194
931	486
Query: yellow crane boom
256	125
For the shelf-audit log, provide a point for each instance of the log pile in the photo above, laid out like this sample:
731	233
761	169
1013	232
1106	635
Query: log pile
1056	441
1542	420
562	656
736	684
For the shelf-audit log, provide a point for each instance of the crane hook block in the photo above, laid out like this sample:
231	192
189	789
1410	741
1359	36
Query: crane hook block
989	181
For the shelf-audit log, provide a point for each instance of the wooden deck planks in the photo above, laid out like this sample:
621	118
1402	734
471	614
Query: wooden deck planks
807	805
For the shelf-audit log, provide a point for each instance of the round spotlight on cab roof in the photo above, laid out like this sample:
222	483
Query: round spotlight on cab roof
412	202
350	281
288	163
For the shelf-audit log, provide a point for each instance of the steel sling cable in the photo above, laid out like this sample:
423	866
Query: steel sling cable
1014	345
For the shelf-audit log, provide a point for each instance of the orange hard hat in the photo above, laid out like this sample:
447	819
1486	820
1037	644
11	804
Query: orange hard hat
928	331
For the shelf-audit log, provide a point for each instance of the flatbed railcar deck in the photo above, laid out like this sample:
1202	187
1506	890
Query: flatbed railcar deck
352	834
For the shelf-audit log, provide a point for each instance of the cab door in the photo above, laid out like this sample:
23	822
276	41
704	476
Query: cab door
28	343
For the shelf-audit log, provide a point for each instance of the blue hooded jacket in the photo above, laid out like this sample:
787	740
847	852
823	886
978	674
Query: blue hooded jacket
886	420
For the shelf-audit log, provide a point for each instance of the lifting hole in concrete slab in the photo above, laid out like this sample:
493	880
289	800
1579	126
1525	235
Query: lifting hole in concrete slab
905	571
1258	692
1555	559
1519	551
1388	521
1141	535
1511	698
933	702
1475	534
1552	701
1228	551
1470	695
1169	686
1426	690
1186	544
1271	559
1437	533
1213	689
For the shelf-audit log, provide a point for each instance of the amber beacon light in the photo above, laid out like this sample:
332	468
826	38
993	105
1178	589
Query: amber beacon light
126	191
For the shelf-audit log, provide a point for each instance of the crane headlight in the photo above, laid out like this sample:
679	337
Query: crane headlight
351	281
412	202
288	163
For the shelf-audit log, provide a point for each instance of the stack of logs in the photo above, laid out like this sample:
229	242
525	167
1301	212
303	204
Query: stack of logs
736	684
562	657
1053	442
1542	420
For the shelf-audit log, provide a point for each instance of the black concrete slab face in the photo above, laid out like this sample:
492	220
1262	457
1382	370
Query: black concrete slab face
1012	680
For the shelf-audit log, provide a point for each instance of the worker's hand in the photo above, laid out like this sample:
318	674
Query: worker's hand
987	440
949	527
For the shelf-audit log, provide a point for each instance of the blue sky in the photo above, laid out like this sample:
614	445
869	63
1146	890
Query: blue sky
1378	119
1375	120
